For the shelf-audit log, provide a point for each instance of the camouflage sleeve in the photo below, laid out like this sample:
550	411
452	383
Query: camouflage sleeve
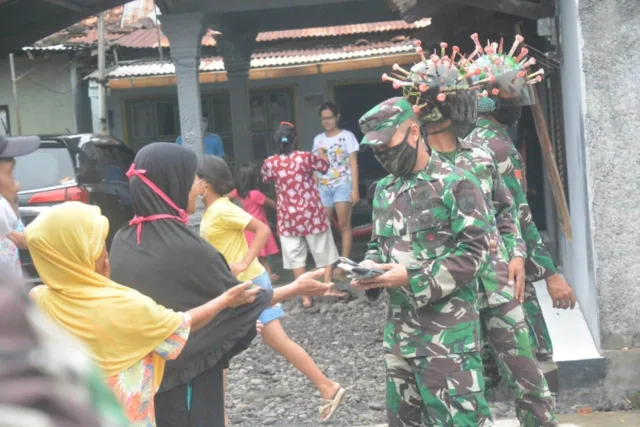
539	264
438	278
373	249
506	217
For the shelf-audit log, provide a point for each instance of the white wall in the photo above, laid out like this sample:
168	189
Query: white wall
600	39
307	119
46	95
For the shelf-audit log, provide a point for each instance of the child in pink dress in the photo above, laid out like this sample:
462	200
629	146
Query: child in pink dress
254	201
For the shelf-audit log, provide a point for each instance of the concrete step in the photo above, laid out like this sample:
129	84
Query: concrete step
570	334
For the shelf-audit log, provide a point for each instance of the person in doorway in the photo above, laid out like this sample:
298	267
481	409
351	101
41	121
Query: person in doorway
302	221
503	319
254	201
10	148
430	236
224	225
159	255
338	187
212	142
501	110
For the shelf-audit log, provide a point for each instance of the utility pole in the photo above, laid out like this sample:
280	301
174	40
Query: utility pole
14	83
102	101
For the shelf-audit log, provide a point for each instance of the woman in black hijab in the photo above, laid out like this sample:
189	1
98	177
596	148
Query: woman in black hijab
160	256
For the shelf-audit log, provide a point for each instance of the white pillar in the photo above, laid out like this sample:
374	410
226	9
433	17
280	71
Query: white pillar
185	31
95	106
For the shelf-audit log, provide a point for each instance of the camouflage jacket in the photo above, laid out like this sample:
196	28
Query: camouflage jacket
434	223
479	162
539	264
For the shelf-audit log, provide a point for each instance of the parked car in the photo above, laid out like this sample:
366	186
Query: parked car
86	168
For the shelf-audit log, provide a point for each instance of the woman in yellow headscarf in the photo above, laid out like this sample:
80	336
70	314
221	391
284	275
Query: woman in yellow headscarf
129	334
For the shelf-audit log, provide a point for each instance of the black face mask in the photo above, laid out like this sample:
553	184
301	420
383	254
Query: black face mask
399	160
507	115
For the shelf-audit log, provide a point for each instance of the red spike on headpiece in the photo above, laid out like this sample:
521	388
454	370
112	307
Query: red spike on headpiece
443	49
476	40
523	52
519	39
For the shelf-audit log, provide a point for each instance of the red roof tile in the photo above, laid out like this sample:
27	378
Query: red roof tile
342	30
148	38
142	33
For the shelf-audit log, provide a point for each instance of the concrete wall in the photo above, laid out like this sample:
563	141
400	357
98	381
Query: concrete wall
307	119
46	95
601	86
577	256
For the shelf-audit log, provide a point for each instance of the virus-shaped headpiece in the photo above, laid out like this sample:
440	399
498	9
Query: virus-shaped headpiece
513	79
441	87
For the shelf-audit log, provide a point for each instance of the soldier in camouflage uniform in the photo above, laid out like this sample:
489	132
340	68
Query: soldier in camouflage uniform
513	89
430	223
503	318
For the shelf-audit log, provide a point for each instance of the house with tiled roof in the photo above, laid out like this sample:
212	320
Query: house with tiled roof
292	73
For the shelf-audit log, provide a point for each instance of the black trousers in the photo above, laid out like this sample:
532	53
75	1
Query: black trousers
207	402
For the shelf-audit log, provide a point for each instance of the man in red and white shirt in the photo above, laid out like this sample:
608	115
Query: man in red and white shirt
302	222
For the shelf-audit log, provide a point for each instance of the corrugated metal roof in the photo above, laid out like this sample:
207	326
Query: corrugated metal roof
265	59
306	56
58	47
342	30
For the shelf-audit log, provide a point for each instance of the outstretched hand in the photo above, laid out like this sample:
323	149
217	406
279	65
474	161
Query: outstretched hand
395	276
308	285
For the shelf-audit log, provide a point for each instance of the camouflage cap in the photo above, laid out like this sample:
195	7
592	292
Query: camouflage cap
381	122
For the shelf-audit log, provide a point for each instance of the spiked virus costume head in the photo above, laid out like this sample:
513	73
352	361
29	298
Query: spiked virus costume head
511	79
440	88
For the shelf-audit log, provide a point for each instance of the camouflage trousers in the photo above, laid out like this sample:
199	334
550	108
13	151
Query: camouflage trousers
439	391
508	353
540	338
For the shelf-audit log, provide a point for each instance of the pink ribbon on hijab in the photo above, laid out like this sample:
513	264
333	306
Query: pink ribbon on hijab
182	217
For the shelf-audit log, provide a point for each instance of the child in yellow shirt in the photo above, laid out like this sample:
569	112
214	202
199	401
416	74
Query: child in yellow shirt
223	225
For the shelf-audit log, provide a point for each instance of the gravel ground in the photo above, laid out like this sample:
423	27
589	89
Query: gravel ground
345	340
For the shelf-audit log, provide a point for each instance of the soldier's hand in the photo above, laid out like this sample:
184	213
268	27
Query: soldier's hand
517	276
367	263
493	246
395	276
561	293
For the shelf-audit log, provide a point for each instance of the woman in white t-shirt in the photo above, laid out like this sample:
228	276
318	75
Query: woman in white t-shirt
339	186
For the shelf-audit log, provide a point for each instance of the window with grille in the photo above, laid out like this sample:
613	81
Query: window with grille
158	120
268	109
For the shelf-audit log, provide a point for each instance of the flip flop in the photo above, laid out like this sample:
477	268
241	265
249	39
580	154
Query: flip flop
309	304
329	407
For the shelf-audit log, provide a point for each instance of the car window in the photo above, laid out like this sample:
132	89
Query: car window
45	167
103	163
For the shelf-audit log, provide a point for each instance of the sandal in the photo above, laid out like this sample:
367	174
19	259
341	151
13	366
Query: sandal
307	302
329	407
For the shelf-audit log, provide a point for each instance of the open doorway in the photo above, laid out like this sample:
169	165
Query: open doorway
354	100
525	138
